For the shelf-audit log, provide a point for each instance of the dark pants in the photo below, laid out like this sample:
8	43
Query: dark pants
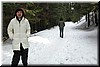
61	32
16	57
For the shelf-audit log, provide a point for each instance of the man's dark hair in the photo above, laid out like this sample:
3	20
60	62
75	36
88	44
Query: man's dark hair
61	19
19	10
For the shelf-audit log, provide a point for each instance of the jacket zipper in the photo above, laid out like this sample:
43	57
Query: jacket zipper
19	31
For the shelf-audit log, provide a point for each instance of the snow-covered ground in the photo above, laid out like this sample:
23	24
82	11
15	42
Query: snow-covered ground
78	47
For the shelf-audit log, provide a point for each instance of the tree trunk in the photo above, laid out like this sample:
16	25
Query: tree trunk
88	20
96	19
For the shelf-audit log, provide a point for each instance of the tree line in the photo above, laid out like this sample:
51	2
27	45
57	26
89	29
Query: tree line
45	15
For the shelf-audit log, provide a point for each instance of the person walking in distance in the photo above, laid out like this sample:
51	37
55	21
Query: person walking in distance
61	25
19	31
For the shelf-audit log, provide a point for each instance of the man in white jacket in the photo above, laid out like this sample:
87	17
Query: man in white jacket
19	31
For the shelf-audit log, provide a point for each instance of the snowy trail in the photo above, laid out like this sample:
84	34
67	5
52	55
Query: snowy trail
46	47
60	50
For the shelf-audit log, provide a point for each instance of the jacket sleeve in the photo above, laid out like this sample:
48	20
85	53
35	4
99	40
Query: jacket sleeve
10	30
64	23
28	29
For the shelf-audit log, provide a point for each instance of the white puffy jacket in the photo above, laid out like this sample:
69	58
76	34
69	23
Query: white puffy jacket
19	33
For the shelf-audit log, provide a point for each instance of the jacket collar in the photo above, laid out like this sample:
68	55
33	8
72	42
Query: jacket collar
21	19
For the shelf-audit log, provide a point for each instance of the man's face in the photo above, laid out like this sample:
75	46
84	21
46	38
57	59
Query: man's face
19	14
